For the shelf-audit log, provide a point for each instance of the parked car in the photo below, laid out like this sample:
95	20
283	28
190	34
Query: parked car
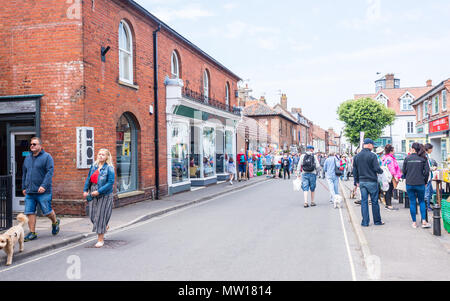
400	157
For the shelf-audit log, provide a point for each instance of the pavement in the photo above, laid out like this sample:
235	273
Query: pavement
75	229
396	251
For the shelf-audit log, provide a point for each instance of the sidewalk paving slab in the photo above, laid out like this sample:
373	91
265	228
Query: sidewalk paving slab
76	229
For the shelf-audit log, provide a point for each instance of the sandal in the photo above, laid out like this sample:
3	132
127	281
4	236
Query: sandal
306	205
99	244
313	204
414	225
426	225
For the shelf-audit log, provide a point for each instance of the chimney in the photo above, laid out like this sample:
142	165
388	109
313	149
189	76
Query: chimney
262	99
390	81
429	83
283	101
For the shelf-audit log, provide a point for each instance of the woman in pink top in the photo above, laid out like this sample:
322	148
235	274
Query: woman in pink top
390	161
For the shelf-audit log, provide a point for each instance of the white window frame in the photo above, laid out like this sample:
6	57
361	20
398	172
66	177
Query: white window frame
175	68
410	130
227	94
405	103
444	100
383	99
425	109
419	113
206	85
434	105
124	52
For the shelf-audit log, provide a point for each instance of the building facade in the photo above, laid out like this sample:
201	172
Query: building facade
97	86
432	121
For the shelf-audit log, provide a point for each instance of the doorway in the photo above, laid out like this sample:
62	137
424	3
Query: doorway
19	150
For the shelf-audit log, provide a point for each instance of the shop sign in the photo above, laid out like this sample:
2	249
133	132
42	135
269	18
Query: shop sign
85	147
439	125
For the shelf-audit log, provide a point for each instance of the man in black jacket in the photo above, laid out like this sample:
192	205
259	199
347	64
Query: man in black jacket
365	170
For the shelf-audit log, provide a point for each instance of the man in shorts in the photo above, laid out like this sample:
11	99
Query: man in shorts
37	187
307	169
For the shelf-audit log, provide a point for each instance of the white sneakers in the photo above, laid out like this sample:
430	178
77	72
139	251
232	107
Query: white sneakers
99	244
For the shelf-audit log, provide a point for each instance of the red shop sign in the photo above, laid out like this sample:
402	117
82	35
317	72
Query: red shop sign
439	125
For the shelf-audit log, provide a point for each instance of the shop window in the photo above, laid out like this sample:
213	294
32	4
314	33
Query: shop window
179	153
220	152
126	148
209	148
194	157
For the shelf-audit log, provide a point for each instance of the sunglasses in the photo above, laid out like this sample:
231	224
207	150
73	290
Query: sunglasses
34	144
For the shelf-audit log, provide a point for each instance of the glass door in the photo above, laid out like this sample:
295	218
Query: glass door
20	149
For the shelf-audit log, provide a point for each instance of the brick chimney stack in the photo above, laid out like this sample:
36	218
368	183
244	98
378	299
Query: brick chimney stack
390	81
283	101
429	83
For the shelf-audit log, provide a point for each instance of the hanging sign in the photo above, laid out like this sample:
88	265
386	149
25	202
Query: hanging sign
85	147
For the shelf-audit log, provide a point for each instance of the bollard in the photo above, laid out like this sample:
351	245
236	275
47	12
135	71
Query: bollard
436	220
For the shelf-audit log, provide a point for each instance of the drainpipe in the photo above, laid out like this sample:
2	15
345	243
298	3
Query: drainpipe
155	87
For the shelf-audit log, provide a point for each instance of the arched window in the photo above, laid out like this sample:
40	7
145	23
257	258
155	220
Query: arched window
175	65
206	85
227	94
125	53
126	148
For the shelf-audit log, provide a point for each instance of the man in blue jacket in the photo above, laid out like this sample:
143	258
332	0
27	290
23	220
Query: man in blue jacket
37	187
365	170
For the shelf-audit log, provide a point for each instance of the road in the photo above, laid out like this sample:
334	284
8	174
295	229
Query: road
262	233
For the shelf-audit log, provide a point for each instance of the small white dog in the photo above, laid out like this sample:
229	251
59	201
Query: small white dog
337	200
9	239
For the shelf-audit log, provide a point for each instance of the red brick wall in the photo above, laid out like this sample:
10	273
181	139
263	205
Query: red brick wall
46	48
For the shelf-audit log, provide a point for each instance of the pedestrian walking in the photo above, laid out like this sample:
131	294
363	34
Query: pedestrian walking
286	163
242	161
343	167
433	166
231	169
390	161
37	177
269	164
307	167
330	165
322	160
365	170
278	158
416	171
98	190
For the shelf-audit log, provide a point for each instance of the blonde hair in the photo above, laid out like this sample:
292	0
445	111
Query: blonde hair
108	157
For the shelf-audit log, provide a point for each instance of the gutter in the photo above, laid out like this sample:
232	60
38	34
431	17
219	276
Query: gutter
155	88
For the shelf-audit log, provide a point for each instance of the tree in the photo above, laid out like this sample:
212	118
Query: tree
364	115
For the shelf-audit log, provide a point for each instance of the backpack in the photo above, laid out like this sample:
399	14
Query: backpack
308	163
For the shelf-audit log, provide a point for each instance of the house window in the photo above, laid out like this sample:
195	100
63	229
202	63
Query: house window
435	105
444	100
175	68
227	94
406	104
410	127
125	53
418	113
425	109
206	85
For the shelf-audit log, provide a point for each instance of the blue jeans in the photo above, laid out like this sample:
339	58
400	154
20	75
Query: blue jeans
429	193
309	181
417	192
369	188
44	200
333	186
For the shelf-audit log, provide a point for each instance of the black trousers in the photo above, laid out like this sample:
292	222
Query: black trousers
389	193
286	170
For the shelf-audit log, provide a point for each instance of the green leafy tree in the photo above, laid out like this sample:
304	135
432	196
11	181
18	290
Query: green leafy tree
364	115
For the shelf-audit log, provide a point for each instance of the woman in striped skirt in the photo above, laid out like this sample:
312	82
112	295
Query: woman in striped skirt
98	189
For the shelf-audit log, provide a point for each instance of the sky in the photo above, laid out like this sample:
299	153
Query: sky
319	53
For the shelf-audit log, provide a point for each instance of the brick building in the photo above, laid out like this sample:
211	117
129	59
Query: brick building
82	76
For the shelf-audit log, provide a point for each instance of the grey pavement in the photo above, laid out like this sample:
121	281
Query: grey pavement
404	253
75	229
261	233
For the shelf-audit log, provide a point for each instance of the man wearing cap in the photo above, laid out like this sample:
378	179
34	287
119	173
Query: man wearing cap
307	168
365	170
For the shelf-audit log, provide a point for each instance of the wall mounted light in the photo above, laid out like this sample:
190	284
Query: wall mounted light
103	52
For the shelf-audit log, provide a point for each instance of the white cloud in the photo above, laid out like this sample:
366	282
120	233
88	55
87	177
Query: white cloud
230	6
238	29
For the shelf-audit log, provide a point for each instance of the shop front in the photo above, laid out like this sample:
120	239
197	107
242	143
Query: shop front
201	139
439	137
